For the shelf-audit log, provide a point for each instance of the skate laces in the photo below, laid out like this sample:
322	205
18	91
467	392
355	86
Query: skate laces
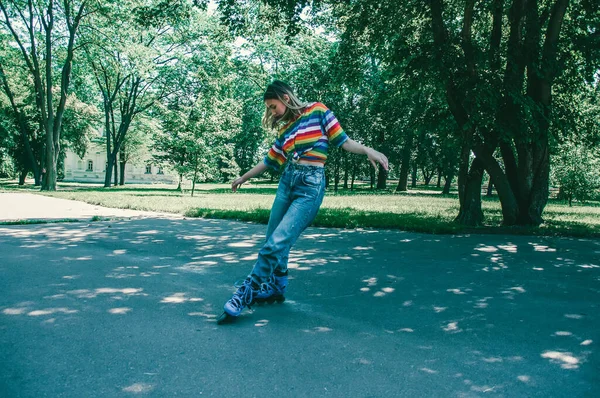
243	296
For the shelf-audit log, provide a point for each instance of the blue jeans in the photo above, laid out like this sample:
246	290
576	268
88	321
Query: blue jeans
299	196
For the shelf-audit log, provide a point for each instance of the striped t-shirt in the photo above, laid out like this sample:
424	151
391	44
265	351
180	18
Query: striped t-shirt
307	138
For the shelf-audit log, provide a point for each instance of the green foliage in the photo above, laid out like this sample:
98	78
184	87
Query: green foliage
79	125
576	172
42	38
157	14
196	136
7	167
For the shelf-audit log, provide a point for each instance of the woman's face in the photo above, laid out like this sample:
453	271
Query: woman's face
276	107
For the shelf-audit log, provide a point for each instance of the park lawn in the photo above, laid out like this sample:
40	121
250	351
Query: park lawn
419	210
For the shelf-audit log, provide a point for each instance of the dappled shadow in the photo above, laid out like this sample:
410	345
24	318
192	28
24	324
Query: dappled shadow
353	218
245	190
462	315
151	189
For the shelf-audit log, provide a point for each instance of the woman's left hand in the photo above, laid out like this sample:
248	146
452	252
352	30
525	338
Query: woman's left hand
377	157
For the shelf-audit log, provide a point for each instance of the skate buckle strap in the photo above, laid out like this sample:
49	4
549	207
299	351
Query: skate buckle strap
267	287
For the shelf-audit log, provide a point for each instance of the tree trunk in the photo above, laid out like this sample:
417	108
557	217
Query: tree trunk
115	174
427	176
346	170
561	193
531	206
108	133
179	184
122	173
195	176
37	177
447	184
49	183
122	163
353	175
413	176
405	163
540	90
381	178
54	120
108	171
470	210
381	173
490	187
508	200
23	177
336	174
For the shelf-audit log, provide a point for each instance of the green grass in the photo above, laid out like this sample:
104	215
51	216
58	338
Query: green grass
420	210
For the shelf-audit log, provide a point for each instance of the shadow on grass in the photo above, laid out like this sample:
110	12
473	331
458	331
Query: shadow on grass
342	218
351	218
119	189
256	191
11	185
270	190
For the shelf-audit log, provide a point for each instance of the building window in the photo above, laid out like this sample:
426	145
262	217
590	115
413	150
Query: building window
90	166
160	170
148	169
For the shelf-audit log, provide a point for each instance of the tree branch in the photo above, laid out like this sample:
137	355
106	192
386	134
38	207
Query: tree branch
467	43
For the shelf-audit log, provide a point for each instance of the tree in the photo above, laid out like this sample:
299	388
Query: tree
7	166
575	172
23	126
171	142
499	65
56	21
138	65
523	115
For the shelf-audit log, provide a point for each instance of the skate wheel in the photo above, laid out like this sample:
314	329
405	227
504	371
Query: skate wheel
224	318
276	299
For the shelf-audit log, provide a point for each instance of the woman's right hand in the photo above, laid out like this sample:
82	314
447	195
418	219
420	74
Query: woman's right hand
237	183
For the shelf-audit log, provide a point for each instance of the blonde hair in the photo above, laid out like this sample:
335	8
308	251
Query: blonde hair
294	106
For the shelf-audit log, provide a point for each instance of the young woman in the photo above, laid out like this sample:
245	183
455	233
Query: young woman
305	133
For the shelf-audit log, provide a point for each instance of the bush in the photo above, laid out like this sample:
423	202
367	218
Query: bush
7	166
575	172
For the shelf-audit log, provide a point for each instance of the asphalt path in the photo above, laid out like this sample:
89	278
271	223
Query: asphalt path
127	307
30	207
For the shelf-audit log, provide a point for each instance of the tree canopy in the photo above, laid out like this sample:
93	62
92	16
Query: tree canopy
455	89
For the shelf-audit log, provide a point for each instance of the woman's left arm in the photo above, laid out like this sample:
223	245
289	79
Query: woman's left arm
374	156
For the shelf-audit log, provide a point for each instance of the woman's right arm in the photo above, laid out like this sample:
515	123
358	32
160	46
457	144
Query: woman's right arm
253	172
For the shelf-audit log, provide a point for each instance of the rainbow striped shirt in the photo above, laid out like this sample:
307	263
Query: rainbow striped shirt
307	138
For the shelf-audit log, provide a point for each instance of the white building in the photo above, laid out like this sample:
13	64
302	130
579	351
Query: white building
91	168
